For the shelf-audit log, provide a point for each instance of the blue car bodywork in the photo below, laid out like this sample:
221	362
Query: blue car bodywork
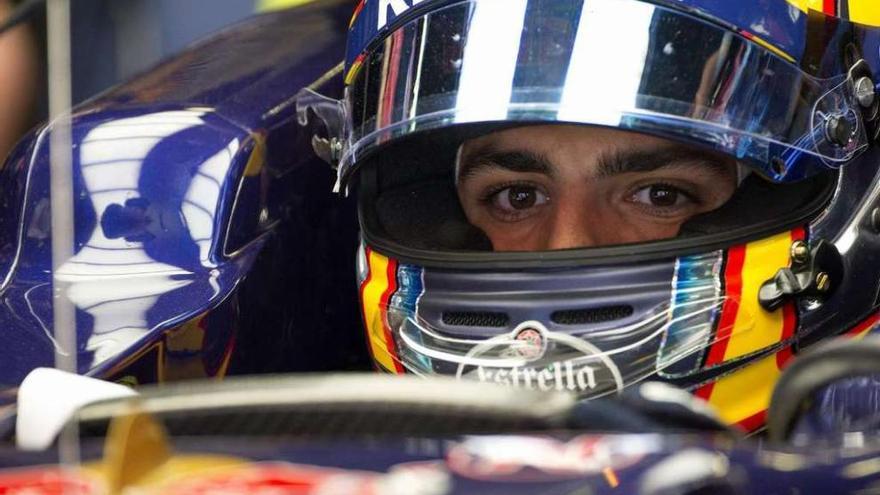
207	239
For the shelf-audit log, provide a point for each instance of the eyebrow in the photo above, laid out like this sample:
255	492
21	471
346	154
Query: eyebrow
635	161
515	161
609	164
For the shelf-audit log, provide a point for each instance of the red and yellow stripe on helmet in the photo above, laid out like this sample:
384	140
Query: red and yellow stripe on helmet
865	12
376	291
745	328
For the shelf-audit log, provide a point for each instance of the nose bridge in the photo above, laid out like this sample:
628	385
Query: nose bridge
572	226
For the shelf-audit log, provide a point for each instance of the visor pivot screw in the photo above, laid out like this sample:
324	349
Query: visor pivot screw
865	93
838	130
823	282
800	253
328	150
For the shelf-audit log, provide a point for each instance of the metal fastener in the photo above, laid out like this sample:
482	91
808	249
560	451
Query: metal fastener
800	253
866	94
823	282
328	150
779	166
838	130
875	220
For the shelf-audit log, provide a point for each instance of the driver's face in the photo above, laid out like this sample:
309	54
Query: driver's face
557	187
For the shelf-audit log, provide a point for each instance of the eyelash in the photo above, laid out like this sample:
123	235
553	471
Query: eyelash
487	199
660	211
489	194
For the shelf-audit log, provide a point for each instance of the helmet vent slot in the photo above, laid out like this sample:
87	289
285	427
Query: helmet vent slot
591	315
475	319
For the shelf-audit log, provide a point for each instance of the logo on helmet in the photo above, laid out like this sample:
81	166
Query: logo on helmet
533	344
397	7
533	357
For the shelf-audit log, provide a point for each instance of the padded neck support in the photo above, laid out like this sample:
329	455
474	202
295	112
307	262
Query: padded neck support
757	202
429	216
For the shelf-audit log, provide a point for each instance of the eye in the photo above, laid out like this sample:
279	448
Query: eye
661	196
515	201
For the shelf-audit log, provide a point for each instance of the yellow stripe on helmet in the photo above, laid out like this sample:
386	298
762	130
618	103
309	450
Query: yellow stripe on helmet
806	5
768	46
756	328
865	12
375	286
746	392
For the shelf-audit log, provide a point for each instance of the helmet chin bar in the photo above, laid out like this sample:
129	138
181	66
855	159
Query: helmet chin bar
591	353
588	364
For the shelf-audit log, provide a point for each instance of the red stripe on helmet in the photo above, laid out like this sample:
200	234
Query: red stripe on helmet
357	12
830	7
385	303
753	422
736	257
789	323
864	324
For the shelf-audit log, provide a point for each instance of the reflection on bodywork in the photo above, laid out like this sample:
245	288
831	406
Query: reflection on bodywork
201	199
100	274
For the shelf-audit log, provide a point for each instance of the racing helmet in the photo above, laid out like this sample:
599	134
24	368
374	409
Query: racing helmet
768	105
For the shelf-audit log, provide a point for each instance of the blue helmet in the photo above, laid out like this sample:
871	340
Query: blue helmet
769	106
